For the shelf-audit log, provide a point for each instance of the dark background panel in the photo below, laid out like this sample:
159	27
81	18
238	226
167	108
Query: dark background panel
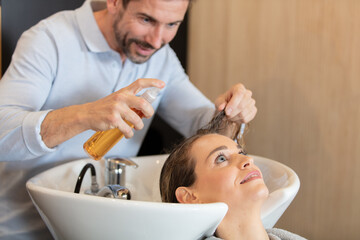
19	15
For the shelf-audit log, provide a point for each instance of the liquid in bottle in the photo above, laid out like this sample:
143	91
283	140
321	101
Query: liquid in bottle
102	141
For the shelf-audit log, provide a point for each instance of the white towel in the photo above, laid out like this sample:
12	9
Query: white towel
279	234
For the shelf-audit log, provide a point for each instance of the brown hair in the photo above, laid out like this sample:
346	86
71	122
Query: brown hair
179	168
126	2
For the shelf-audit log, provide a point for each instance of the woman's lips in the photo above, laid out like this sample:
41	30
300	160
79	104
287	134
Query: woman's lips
251	176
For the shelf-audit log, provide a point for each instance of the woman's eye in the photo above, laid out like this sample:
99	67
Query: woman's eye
242	152
220	159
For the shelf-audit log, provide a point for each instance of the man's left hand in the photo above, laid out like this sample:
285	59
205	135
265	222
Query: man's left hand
238	104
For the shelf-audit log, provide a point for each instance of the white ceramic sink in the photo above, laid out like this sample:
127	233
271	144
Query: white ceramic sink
80	216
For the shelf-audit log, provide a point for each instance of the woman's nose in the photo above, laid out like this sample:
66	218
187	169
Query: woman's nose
245	161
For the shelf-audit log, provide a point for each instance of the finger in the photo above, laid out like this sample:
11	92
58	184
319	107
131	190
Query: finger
248	118
238	101
127	120
143	83
246	115
125	128
142	107
246	105
220	102
220	106
134	104
133	119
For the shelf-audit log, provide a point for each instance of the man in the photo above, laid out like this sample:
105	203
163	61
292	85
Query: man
74	73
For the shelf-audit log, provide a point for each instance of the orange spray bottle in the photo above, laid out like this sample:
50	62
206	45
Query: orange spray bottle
102	141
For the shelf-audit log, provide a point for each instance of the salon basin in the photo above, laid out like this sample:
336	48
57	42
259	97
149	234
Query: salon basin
80	216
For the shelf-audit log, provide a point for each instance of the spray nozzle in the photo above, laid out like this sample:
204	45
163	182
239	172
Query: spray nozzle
151	94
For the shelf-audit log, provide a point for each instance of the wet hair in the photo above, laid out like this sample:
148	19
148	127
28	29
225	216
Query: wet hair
179	168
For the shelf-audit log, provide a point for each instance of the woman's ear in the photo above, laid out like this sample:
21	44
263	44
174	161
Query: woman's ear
186	195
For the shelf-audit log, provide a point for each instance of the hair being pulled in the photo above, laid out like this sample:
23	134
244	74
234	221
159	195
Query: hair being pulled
220	124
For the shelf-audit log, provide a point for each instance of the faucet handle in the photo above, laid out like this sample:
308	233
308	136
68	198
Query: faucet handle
114	191
115	170
117	163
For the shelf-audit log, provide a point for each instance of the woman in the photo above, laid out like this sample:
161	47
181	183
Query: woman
209	167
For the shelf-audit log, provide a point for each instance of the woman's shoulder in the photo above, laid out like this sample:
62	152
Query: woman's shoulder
280	234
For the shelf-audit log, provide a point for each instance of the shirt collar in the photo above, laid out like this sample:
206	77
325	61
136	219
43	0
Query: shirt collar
94	39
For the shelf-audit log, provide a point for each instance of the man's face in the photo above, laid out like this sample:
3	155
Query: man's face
147	25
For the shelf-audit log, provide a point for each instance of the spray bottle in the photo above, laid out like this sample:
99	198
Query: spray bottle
102	141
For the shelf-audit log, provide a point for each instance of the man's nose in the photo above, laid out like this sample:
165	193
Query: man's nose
155	37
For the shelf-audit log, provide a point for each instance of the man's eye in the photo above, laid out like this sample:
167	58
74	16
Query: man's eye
144	19
220	159
171	25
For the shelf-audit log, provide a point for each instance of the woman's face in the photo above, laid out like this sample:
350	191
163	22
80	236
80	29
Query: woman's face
225	174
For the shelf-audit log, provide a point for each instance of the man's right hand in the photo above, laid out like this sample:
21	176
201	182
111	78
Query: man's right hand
106	113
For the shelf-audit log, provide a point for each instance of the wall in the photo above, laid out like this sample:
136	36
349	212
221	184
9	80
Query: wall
301	59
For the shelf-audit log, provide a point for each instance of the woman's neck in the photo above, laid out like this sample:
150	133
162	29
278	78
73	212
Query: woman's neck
242	226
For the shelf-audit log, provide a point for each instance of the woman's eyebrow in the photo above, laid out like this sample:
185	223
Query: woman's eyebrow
217	149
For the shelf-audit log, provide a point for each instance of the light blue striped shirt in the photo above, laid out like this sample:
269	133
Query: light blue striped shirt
65	60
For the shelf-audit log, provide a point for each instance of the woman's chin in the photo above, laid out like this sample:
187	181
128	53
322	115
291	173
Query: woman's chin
261	192
256	191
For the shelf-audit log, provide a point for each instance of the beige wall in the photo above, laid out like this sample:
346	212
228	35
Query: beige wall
301	59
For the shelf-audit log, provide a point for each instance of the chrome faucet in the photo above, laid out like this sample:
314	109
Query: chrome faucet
115	170
114	191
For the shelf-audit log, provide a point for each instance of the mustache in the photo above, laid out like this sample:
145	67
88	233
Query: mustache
142	44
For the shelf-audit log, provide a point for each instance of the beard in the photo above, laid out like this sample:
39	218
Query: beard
125	43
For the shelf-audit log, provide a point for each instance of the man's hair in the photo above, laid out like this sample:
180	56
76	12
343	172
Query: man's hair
126	2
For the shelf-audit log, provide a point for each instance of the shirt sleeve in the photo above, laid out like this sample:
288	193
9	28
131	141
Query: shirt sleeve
23	91
183	106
